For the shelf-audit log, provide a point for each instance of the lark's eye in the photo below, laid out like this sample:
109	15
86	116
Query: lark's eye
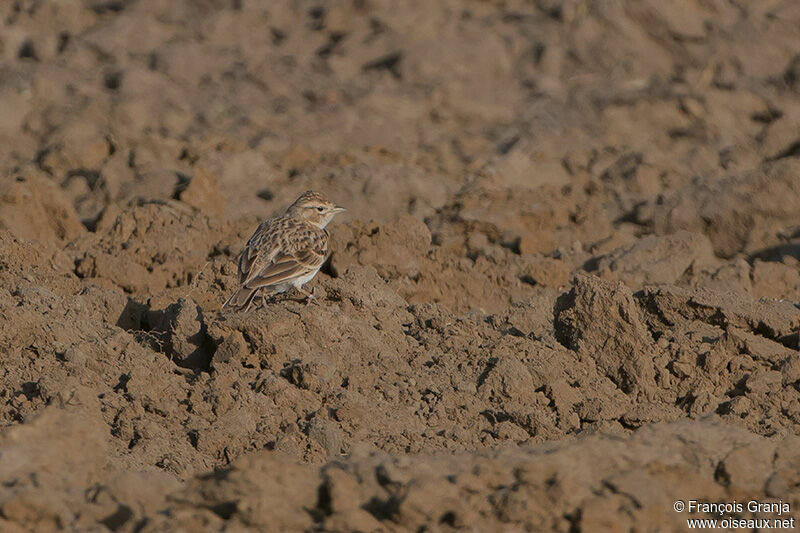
320	209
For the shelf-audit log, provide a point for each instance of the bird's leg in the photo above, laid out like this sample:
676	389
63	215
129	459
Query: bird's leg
309	295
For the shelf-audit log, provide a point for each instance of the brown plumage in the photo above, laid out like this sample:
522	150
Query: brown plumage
285	251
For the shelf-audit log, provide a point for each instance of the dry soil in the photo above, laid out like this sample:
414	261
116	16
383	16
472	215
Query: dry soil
564	295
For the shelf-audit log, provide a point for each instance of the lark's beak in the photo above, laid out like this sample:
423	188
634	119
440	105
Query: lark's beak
338	209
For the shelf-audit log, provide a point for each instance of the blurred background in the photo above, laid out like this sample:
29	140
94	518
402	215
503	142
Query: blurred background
599	106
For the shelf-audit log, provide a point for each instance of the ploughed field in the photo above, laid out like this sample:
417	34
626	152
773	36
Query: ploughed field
565	294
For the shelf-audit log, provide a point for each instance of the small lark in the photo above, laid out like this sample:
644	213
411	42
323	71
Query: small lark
285	251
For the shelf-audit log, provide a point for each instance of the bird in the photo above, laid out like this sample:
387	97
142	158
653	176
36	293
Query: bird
285	251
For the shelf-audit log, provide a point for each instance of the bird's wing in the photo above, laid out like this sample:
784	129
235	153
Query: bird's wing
286	268
303	253
261	247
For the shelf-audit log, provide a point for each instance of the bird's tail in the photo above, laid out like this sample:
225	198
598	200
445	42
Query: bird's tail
241	300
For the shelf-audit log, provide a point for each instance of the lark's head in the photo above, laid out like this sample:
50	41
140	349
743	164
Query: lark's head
314	208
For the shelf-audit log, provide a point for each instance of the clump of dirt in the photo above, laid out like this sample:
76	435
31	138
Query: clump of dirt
565	295
526	488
